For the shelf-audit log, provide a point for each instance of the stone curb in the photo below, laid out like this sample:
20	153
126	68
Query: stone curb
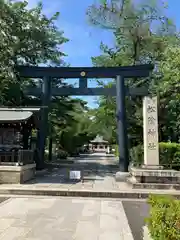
146	234
81	193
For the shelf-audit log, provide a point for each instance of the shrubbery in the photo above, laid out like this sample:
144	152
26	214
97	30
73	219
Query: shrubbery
61	154
164	220
169	154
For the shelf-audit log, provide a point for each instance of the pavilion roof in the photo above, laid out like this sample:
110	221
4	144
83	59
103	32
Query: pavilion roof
16	114
99	139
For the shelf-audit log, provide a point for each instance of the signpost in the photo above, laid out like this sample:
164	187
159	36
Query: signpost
150	132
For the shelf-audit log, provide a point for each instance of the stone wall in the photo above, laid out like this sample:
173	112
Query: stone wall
17	174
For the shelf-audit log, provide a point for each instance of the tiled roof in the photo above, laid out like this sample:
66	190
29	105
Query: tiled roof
99	139
16	114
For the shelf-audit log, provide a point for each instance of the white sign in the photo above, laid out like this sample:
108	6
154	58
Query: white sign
150	131
75	175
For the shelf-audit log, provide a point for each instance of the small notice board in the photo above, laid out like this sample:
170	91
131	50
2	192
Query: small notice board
75	175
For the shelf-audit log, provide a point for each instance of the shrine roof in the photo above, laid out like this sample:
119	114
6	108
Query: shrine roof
16	114
99	139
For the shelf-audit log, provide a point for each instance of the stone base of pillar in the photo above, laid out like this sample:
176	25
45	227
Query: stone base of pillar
122	176
152	167
154	177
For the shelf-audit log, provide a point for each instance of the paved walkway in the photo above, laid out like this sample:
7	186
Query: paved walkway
98	173
98	176
52	218
63	218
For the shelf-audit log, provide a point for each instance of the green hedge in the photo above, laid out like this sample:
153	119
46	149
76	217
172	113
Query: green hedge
164	220
61	154
169	155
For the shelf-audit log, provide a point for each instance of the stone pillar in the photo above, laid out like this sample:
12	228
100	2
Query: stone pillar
150	132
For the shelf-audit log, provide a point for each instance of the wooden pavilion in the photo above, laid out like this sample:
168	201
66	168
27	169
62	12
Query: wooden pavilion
16	146
99	145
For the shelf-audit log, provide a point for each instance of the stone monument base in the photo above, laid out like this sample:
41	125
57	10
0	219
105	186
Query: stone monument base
17	174
154	177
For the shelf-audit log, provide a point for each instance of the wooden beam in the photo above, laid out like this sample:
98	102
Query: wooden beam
86	72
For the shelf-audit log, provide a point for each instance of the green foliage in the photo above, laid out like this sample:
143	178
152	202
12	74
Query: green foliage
73	128
137	155
104	121
143	34
169	154
28	37
62	154
169	95
164	220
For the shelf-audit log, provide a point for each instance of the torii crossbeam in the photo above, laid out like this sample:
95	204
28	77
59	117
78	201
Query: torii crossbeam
83	73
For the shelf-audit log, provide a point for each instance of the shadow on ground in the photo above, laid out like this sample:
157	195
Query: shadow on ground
136	213
92	167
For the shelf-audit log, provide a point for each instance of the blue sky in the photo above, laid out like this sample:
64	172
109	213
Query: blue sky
84	38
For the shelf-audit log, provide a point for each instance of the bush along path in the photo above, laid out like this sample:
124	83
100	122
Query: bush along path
169	155
164	220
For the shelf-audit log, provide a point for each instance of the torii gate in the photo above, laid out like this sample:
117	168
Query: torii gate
83	73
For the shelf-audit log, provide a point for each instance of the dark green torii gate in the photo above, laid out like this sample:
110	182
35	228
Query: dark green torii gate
119	90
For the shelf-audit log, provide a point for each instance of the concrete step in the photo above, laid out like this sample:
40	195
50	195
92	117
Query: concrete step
160	186
155	186
134	194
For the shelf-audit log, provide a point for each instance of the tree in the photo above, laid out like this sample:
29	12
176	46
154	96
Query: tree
75	131
138	40
169	95
28	37
104	120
